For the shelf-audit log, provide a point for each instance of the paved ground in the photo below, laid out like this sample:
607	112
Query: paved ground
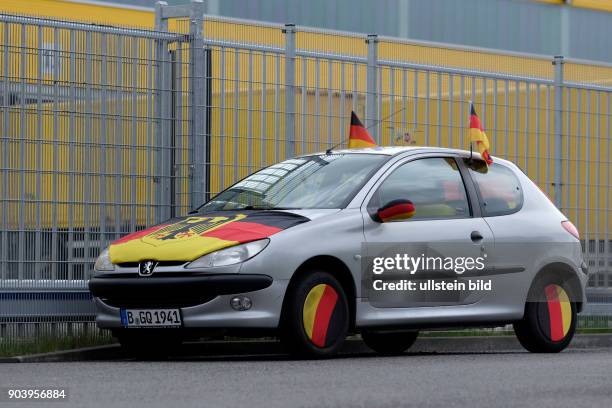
450	379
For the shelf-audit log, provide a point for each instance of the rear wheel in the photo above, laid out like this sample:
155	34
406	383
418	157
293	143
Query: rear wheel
549	322
389	343
315	316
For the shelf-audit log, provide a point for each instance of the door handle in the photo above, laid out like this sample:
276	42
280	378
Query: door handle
476	236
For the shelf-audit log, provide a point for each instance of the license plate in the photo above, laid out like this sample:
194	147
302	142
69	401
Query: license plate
151	318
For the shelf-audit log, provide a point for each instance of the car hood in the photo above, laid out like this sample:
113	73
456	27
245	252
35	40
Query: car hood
188	238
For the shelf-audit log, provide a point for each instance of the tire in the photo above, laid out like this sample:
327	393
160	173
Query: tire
147	343
549	323
315	316
389	343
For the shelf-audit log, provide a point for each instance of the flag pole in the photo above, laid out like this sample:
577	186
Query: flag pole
470	139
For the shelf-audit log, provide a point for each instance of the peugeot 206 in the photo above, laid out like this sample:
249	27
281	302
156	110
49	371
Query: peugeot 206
287	251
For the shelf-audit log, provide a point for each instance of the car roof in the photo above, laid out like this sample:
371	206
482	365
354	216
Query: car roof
398	150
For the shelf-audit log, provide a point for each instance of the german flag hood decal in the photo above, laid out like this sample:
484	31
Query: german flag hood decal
188	238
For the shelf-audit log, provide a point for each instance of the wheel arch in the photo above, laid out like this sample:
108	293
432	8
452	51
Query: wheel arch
338	269
568	275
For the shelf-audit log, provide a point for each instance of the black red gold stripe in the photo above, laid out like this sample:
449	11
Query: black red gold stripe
559	310
397	210
188	238
555	315
322	314
478	136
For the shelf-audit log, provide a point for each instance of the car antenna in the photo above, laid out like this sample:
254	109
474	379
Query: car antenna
329	151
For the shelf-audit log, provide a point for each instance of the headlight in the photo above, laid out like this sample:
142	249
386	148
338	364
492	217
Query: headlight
103	263
231	255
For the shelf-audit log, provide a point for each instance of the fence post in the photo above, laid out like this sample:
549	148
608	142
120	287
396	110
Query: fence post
289	32
161	24
371	107
558	152
199	186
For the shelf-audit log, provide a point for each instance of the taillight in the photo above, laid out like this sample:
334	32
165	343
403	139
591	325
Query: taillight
571	228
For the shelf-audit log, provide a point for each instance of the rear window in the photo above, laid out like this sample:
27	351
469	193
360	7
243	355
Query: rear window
498	188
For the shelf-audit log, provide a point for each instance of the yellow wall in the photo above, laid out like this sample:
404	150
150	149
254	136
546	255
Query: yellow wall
603	5
584	146
64	161
43	151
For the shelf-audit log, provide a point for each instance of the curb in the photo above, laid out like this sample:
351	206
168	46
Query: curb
105	352
218	349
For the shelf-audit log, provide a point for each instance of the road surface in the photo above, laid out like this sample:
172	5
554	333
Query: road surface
450	379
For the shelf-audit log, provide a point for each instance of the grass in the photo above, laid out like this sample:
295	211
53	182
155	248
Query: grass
49	343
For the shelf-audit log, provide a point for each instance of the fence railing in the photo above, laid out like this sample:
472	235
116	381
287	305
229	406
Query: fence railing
107	130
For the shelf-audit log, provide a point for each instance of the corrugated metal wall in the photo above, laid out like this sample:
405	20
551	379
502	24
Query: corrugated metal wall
541	27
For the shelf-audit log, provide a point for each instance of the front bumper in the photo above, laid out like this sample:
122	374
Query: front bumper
204	298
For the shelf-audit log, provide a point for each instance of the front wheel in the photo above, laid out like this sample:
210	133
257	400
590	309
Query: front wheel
316	316
549	323
389	343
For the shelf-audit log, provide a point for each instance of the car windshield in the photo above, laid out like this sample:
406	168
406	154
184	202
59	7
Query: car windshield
321	181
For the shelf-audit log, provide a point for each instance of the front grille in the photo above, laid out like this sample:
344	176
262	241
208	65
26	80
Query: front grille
161	263
156	303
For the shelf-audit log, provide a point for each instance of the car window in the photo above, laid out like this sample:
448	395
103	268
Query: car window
434	185
498	187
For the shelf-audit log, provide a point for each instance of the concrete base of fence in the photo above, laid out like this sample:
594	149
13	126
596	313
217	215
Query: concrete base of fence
220	349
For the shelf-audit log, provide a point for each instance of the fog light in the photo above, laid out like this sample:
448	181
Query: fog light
241	303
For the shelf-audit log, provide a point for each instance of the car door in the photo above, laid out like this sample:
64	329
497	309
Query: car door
446	224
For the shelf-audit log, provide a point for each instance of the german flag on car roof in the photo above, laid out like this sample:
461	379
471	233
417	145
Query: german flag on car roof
188	238
359	136
478	136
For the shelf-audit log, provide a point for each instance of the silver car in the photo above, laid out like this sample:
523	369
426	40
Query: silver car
321	246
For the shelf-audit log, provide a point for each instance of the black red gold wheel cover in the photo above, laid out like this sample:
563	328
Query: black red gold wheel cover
555	313
323	315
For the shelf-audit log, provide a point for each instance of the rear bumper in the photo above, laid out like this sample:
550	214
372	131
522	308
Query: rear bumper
204	299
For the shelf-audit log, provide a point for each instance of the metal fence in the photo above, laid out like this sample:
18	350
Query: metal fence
95	143
107	130
290	95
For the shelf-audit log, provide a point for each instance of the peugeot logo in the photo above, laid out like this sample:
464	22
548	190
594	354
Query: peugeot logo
146	268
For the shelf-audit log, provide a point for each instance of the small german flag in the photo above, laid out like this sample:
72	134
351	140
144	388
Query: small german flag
478	136
359	136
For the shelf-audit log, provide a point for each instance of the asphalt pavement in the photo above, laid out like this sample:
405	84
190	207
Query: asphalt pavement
195	378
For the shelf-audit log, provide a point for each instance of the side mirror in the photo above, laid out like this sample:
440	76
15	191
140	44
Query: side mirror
396	210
